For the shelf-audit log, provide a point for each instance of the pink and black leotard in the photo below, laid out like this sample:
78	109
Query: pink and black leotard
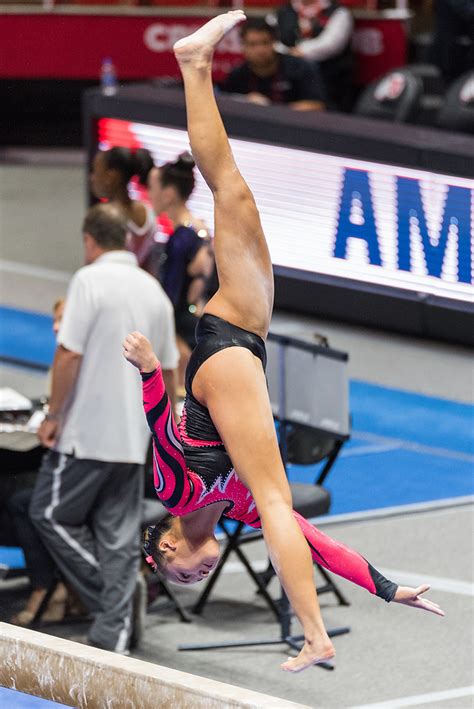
192	468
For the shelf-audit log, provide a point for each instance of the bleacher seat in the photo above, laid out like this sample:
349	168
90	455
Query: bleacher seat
457	112
395	97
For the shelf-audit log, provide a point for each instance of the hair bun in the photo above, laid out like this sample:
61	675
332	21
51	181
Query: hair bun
142	164
185	161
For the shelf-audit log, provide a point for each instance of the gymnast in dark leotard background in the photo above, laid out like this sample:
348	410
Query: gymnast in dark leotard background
225	457
188	261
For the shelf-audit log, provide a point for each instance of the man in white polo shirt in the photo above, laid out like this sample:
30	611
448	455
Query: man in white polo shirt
86	504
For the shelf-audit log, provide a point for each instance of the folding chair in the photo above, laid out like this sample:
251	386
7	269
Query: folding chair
309	500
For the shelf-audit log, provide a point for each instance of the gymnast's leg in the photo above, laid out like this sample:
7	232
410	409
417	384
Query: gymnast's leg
231	383
245	295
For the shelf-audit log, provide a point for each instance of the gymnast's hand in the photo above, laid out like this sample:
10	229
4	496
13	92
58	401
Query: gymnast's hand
138	351
412	597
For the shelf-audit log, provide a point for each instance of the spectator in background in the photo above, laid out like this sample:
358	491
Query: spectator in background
87	500
268	77
40	566
453	42
58	312
111	173
189	259
321	31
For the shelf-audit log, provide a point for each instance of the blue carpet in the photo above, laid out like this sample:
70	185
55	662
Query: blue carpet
413	417
405	448
26	337
11	699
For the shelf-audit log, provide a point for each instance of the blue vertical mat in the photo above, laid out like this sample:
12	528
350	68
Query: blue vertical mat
26	337
12	557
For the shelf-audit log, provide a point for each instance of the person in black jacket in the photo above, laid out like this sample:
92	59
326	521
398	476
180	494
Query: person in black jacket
320	31
453	43
268	77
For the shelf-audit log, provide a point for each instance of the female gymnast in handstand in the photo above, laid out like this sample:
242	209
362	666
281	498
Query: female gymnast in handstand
224	458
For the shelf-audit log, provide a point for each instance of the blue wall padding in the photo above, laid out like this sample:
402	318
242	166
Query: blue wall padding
12	557
26	337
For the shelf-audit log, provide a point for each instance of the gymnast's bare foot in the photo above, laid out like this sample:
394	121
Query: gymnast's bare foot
312	653
197	49
412	597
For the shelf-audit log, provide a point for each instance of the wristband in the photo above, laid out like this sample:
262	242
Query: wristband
52	417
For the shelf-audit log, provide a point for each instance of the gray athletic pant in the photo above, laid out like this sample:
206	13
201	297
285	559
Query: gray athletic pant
88	515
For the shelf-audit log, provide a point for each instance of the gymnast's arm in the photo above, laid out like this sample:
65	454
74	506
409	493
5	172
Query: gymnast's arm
169	466
345	562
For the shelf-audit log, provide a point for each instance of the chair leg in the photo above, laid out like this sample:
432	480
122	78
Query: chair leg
185	618
331	587
266	576
262	590
202	600
44	604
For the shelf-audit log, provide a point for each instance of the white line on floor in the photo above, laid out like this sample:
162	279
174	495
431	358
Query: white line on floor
14	583
382	512
370	449
62	157
236	567
418	699
437	583
26	269
410	445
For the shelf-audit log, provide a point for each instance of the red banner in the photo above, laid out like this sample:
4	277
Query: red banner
379	45
72	46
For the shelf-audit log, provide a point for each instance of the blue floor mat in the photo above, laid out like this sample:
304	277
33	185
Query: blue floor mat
26	337
412	417
396	477
405	448
12	699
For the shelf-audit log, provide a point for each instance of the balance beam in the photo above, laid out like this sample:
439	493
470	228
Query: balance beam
82	676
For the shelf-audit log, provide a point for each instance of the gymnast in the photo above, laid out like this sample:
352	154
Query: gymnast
224	457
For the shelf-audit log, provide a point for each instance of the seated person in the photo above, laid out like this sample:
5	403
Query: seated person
453	39
321	31
268	77
39	564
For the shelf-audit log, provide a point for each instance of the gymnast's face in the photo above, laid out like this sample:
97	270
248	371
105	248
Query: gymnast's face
188	563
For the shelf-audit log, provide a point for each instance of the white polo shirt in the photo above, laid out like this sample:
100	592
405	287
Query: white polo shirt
105	301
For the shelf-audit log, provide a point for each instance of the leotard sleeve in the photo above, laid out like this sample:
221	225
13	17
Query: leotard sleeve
344	561
171	480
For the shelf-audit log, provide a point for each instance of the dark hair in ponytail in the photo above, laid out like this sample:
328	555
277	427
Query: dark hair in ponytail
179	174
129	163
151	539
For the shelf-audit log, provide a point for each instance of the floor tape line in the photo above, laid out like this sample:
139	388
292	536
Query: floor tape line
419	699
